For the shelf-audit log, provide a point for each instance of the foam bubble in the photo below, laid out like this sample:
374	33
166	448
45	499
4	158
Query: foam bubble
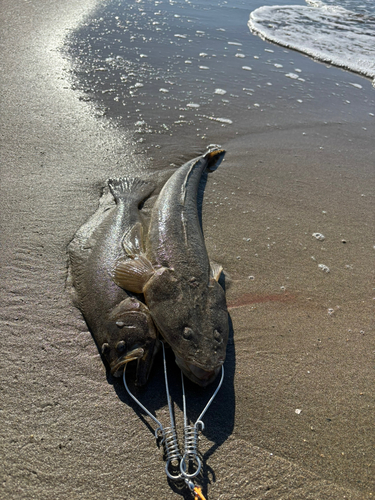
293	76
222	120
226	121
324	268
319	236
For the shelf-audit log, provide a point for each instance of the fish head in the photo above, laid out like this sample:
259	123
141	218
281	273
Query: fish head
131	336
192	317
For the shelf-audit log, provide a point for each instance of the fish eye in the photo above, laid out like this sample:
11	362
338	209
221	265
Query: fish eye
121	346
187	333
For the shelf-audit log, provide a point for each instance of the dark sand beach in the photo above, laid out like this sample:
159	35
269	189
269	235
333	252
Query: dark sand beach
295	416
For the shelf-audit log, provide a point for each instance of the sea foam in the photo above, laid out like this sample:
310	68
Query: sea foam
342	33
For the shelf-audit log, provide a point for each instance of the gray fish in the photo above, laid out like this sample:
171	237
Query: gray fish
179	284
120	324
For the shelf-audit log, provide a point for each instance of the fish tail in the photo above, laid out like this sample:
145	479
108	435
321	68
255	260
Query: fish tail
131	189
214	157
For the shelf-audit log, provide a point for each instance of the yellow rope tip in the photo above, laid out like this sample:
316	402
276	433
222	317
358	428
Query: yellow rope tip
198	493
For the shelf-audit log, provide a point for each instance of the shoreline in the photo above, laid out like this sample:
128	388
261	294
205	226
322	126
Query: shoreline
148	72
69	429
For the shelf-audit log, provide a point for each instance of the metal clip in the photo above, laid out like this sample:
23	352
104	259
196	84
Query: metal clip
169	435
191	433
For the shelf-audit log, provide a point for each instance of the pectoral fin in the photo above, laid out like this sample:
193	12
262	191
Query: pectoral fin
216	270
133	274
133	240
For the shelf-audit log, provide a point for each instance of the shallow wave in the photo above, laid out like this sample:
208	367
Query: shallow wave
326	32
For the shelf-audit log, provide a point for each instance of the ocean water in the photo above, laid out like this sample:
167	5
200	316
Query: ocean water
182	74
340	32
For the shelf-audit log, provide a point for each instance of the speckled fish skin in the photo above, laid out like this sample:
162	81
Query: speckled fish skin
180	286
120	324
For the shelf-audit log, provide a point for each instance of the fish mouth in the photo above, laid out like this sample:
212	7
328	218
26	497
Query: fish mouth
136	353
197	374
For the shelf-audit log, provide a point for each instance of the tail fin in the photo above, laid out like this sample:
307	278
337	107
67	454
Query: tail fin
130	189
214	158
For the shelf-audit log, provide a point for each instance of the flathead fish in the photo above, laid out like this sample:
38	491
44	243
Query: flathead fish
120	324
179	283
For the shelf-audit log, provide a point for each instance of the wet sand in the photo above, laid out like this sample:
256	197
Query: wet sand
303	339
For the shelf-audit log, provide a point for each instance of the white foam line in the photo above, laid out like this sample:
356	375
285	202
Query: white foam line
227	121
332	35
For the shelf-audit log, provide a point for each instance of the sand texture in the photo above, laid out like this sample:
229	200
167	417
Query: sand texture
295	416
